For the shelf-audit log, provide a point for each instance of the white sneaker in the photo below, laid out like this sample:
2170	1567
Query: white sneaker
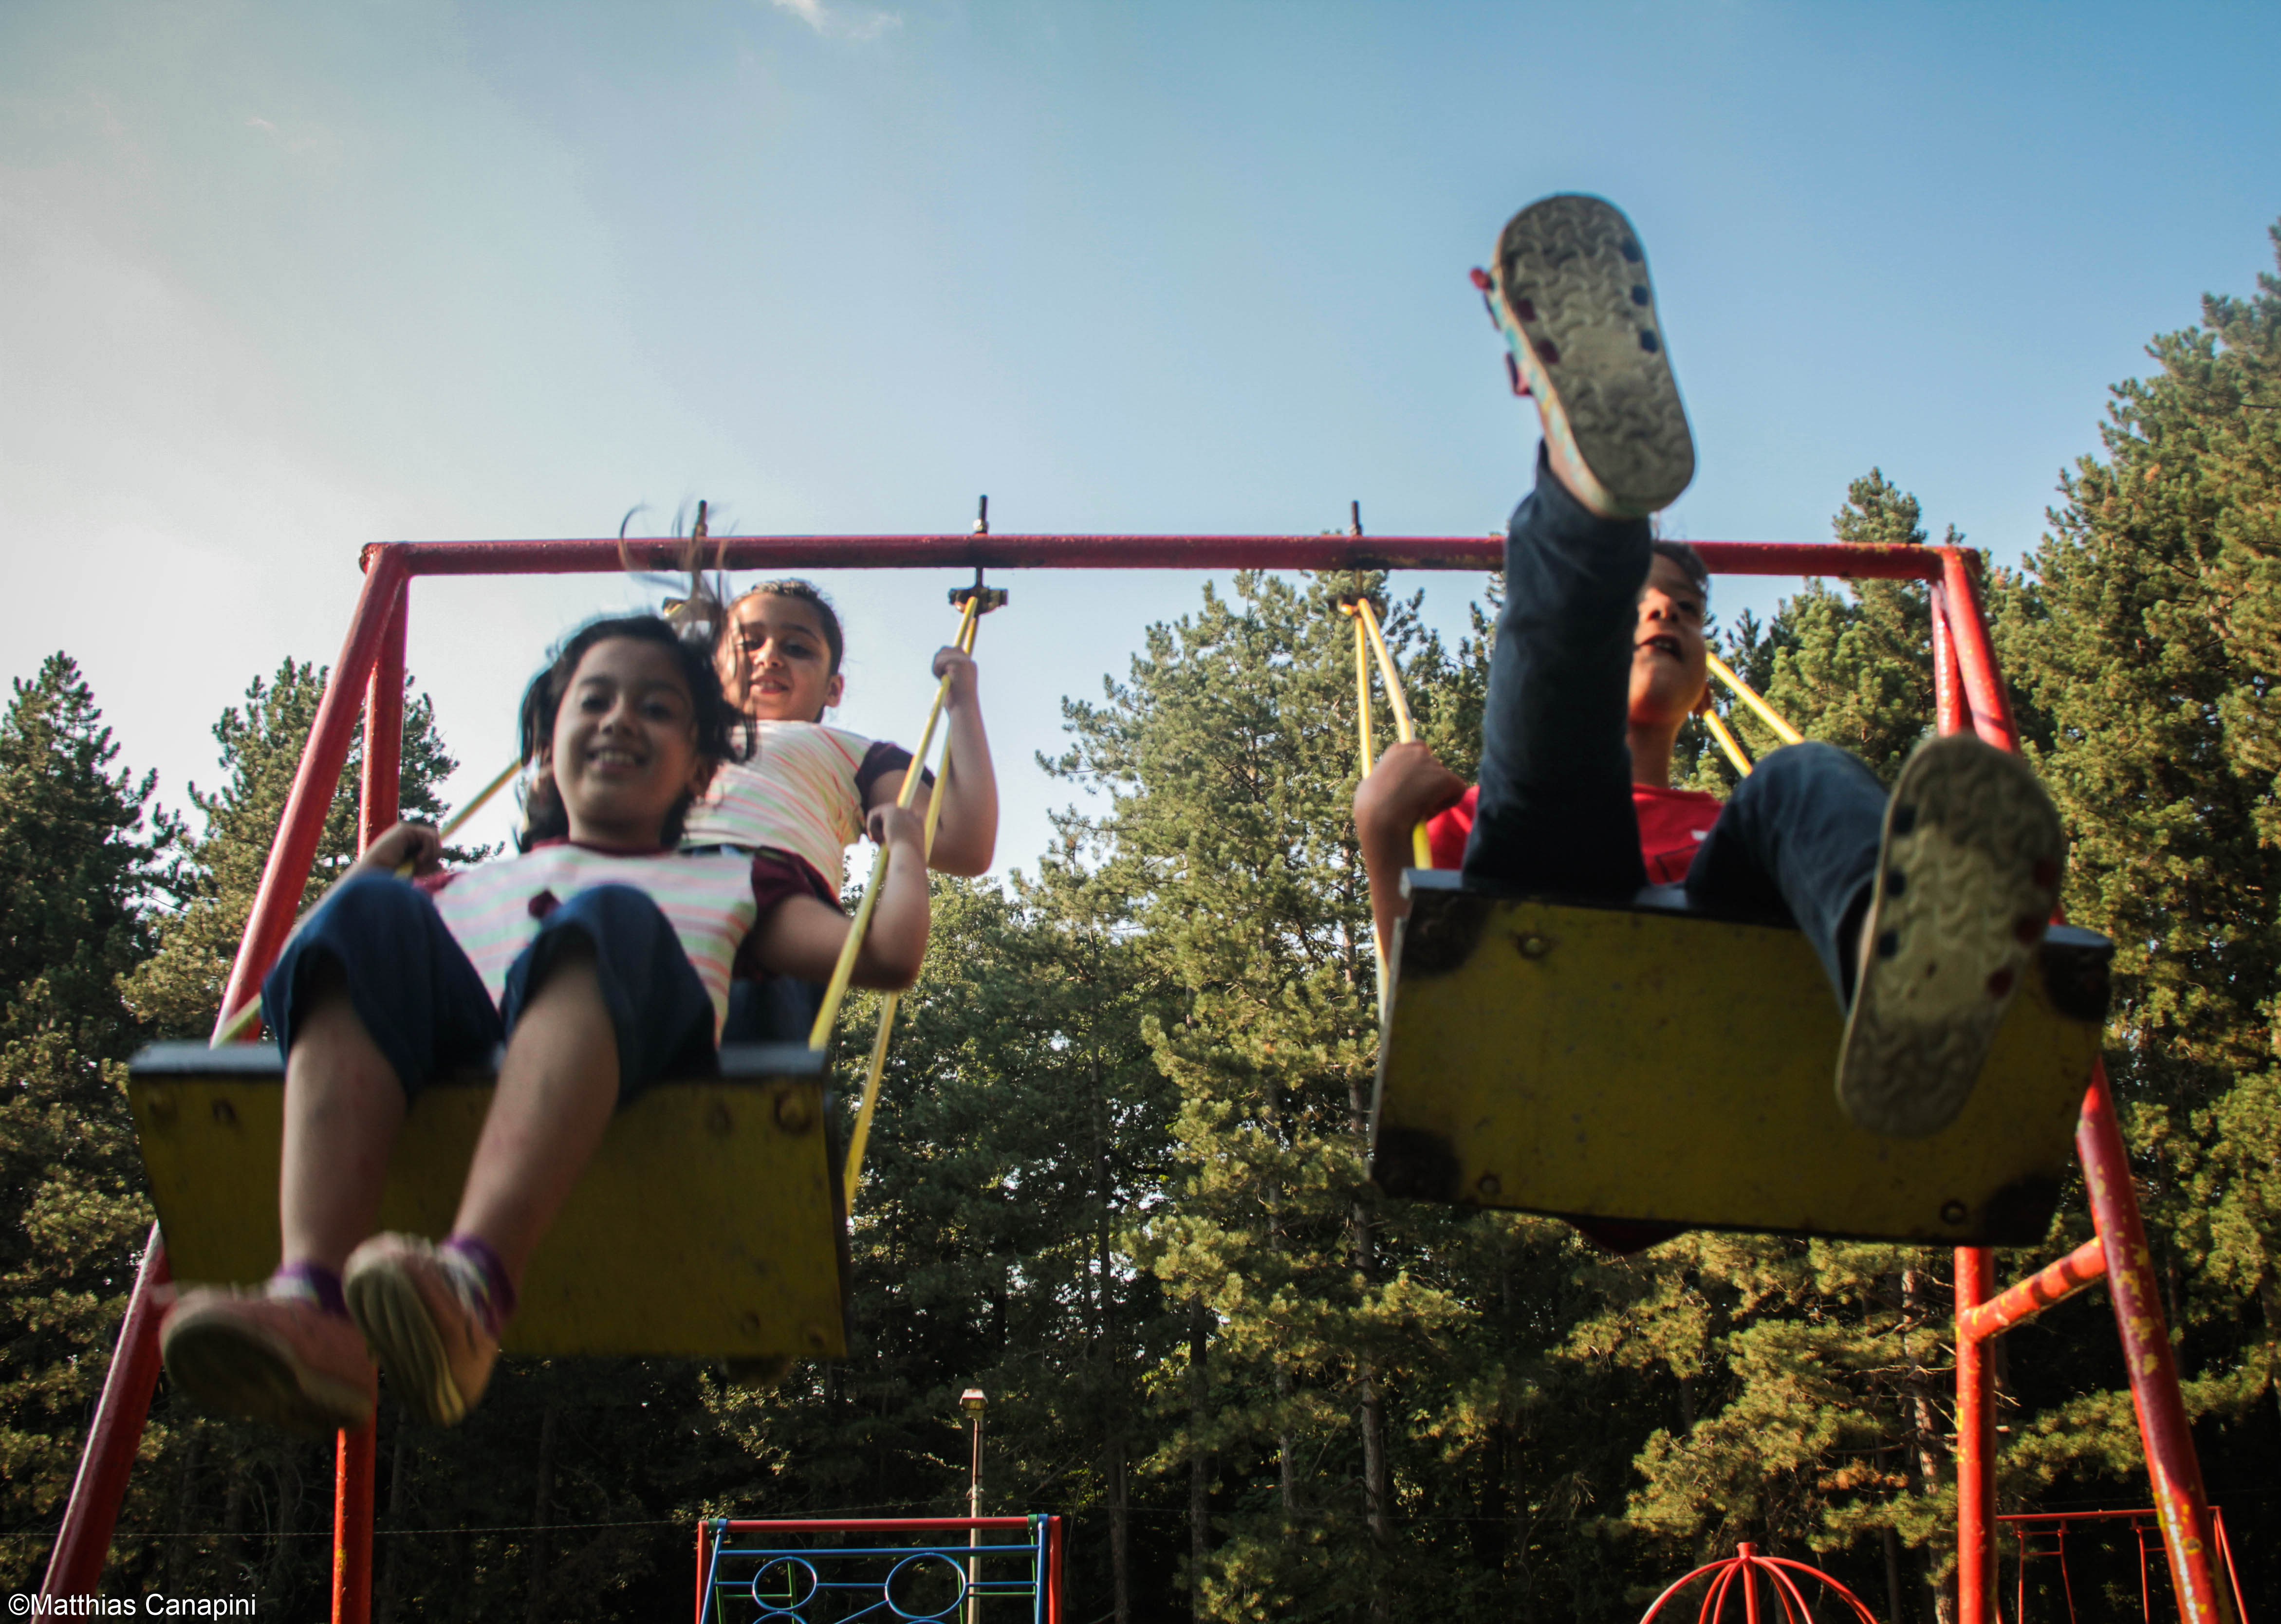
1968	876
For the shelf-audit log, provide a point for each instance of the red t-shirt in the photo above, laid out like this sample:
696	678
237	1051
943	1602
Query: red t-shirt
1672	824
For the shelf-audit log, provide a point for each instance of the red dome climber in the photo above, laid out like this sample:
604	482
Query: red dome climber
1742	1571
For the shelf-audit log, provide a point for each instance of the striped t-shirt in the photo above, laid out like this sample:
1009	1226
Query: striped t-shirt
493	909
802	793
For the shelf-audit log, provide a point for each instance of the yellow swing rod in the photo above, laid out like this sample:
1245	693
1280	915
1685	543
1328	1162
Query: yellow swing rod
836	992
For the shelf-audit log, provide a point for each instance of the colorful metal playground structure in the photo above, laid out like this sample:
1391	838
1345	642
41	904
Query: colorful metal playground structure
369	671
752	1571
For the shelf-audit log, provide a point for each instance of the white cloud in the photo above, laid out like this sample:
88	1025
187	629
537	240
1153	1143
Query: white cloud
839	22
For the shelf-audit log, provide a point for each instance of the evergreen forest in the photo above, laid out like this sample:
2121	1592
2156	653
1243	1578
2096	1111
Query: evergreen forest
1118	1176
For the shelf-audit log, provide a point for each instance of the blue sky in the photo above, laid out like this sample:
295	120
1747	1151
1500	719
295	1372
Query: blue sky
276	281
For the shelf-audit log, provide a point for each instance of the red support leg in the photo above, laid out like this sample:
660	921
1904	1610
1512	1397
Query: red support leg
383	729
1975	1444
287	871
2171	1466
1053	1570
354	1456
1976	654
1950	713
75	1567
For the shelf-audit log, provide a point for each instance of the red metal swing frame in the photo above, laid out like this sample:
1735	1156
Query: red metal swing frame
1969	692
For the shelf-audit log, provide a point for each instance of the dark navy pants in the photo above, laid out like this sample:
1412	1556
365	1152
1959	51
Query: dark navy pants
427	1009
1798	838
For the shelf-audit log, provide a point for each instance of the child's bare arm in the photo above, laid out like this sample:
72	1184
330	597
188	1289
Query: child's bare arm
1406	787
802	936
967	838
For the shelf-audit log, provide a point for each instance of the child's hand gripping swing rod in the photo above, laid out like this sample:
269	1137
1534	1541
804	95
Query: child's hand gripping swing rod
228	1029
977	601
1369	641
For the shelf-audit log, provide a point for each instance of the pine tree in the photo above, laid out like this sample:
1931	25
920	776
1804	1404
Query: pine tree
78	850
178	992
1849	665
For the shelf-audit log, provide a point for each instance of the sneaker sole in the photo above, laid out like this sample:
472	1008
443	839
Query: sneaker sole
1968	874
234	1370
1573	296
387	1307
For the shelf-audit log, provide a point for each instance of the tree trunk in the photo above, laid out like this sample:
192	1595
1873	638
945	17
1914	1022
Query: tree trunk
185	1497
233	1515
399	1473
1120	1534
1377	1487
1893	1545
1927	1458
542	1508
1199	1485
1287	1465
1121	1521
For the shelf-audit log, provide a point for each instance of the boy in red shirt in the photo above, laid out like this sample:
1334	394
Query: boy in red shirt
1923	908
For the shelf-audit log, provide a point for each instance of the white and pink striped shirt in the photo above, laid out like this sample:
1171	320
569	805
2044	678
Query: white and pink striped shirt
802	793
493	909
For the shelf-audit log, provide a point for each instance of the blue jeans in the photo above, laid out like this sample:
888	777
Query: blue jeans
428	1011
1797	840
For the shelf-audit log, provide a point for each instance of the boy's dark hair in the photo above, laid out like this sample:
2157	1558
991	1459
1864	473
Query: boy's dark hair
718	726
800	592
1689	561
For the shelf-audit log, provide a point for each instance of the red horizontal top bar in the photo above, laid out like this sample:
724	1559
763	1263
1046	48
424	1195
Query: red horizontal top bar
1012	552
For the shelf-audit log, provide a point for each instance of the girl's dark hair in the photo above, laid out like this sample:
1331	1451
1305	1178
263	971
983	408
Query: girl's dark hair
720	735
1689	561
800	592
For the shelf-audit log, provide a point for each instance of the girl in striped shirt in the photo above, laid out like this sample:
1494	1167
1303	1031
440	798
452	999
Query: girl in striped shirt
811	786
603	957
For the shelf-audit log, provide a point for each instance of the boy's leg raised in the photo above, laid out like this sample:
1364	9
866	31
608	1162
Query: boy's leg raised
1572	295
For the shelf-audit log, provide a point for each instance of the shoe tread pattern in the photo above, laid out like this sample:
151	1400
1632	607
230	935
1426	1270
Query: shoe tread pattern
1563	261
1978	847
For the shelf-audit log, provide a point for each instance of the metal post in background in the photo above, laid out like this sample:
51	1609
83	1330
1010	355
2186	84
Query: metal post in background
974	1401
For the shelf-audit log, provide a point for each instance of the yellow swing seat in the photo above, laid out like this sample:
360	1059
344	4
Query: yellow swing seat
1652	1062
709	1225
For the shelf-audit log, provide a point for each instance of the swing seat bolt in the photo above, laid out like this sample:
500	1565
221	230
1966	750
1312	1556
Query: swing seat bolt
1534	946
716	1120
813	1335
162	1107
225	1113
1954	1212
792	1115
1489	1184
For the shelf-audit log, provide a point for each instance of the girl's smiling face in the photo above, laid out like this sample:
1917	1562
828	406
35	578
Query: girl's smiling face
624	747
777	657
